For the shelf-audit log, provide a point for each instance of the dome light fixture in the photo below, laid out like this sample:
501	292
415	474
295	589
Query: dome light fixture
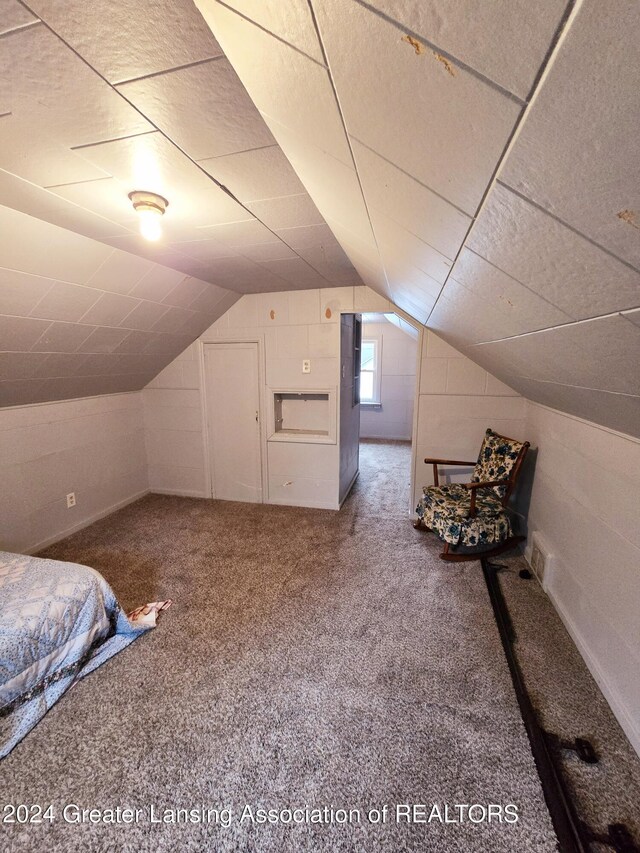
150	207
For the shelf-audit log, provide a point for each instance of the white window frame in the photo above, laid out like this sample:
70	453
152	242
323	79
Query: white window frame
376	340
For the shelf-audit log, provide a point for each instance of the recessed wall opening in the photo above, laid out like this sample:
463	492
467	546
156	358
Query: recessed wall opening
388	363
301	413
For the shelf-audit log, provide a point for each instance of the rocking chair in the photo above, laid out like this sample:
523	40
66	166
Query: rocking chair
474	515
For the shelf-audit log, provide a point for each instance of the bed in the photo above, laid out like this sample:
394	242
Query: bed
58	622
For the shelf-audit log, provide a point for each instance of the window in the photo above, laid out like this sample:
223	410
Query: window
370	373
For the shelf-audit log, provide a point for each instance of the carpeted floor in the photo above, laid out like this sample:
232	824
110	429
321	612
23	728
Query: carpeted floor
311	658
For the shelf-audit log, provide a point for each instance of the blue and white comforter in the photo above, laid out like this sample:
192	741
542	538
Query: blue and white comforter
58	622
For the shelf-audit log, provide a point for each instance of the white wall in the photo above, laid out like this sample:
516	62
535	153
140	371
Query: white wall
584	505
173	427
291	326
457	401
93	447
394	419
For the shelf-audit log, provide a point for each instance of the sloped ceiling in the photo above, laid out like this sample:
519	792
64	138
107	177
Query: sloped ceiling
101	98
79	318
98	99
476	163
472	162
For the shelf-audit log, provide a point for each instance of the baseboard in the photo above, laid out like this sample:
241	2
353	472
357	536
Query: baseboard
80	525
180	493
303	504
620	712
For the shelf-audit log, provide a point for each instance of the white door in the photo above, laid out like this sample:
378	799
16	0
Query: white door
232	393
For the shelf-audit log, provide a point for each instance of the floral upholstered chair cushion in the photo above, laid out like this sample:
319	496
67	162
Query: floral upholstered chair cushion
445	510
497	457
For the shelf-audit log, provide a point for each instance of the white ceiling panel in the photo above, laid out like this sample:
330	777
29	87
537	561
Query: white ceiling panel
409	203
20	292
42	249
131	38
406	302
333	186
14	15
151	162
28	152
44	204
19	334
249	231
438	122
306	236
550	259
505	294
45	83
617	411
102	339
296	272
287	211
119	272
263	173
65	302
62	337
157	283
110	309
600	354
397	245
577	153
272	72
205	251
633	317
290	21
465	317
267	252
187	291
20	365
505	42
144	316
331	262
204	109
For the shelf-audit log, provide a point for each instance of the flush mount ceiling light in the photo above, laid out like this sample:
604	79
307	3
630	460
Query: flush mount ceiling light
150	207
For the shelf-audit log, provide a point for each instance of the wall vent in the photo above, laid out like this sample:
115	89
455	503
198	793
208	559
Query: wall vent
540	558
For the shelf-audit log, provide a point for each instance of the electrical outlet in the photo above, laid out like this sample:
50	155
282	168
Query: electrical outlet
71	500
306	365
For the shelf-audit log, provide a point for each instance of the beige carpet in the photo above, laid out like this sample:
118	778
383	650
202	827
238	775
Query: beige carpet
311	658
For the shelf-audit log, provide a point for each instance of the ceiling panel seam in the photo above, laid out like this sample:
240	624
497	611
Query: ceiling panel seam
172	142
561	30
517	280
444	53
272	34
164	71
74	183
581	387
21	27
571	228
409	175
115	138
558	326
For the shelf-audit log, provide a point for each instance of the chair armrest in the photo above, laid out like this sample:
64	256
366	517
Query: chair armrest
473	488
485	485
436	462
449	462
